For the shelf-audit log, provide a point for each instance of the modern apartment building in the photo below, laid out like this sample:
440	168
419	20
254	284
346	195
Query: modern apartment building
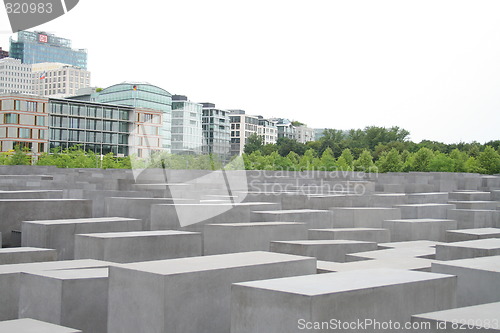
3	53
143	95
268	130
41	123
37	47
304	134
15	77
187	136
216	131
242	127
286	129
58	80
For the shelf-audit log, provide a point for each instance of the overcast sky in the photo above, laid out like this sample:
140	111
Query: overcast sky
431	67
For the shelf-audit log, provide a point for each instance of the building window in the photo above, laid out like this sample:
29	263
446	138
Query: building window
31	106
148	117
17	105
11	118
40	121
24	133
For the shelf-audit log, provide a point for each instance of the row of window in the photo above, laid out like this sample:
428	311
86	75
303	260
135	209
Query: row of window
13	118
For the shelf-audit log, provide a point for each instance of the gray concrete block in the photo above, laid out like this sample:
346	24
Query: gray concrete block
327	250
477	318
359	234
478	279
387	200
314	218
14	211
10	280
74	298
427	198
363	217
189	294
253	236
19	255
125	247
409	244
468	249
60	234
28	325
475	218
470	196
472	234
425	211
257	306
32	194
394	253
419	229
412	264
482	205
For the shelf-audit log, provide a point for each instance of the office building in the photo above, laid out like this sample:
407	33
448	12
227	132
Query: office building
15	77
41	123
216	131
58	80
38	47
3	53
187	136
143	95
242	127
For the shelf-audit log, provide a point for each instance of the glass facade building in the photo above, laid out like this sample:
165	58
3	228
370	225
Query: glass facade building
37	47
187	137
142	95
101	128
216	131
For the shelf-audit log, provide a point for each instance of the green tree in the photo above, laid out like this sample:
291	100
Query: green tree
489	160
20	157
327	162
459	158
390	162
421	159
472	165
364	162
347	156
287	145
441	163
254	142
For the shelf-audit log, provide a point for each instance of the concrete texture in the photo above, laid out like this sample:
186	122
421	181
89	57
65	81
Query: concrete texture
19	255
472	234
478	318
314	218
359	234
475	218
478	279
328	250
425	211
14	211
412	264
190	294
60	234
28	325
74	298
468	249
346	296
419	229
394	253
125	247
253	236
470	196
363	217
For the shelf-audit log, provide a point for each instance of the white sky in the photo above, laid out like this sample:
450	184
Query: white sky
431	67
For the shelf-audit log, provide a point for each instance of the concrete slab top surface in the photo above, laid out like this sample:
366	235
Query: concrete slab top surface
213	262
349	229
389	194
490	263
328	283
427	193
42	200
130	234
417	243
30	191
82	220
477	231
23	249
474	314
254	224
292	211
362	208
75	274
426	220
140	198
324	242
395	263
424	205
53	265
397	252
28	325
487	244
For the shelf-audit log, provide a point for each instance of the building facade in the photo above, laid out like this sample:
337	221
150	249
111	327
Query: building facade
3	53
267	130
187	136
58	80
304	134
242	127
15	77
143	95
216	131
37	47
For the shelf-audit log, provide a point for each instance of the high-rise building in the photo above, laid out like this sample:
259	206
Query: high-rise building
15	77
216	132
242	127
3	53
37	47
57	79
40	123
187	136
143	95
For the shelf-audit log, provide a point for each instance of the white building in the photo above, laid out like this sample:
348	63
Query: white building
304	134
57	79
242	127
268	130
15	77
